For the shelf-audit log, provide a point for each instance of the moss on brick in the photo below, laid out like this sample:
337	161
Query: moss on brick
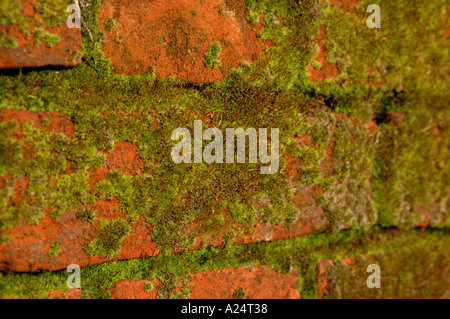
54	213
228	238
10	12
48	14
7	42
109	238
39	35
53	12
390	178
86	214
211	56
54	249
316	65
403	268
148	286
45	168
397	252
239	293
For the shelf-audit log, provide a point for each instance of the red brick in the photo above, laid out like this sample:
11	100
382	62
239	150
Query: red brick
133	289
67	52
321	278
258	283
172	37
73	293
327	70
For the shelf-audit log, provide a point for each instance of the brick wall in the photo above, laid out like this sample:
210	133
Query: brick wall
86	175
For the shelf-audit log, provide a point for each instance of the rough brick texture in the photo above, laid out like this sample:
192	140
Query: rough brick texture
87	174
34	34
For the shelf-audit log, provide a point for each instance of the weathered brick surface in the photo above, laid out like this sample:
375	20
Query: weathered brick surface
346	5
133	289
28	246
73	293
366	156
58	122
27	249
171	38
324	69
404	275
255	283
321	278
28	51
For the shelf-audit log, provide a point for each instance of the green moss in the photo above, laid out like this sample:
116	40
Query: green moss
349	202
253	17
53	12
316	65
242	213
284	64
109	24
10	12
76	56
397	252
228	238
4	239
54	213
403	267
211	56
50	186
10	149
219	220
410	172
49	14
45	122
408	155
7	42
148	286
54	249
109	238
239	293
47	38
388	178
86	214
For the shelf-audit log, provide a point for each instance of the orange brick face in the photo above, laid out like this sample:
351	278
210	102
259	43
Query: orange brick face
28	53
258	282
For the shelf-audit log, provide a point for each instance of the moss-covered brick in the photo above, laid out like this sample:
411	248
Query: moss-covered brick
54	249
35	34
364	153
403	272
211	56
108	239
